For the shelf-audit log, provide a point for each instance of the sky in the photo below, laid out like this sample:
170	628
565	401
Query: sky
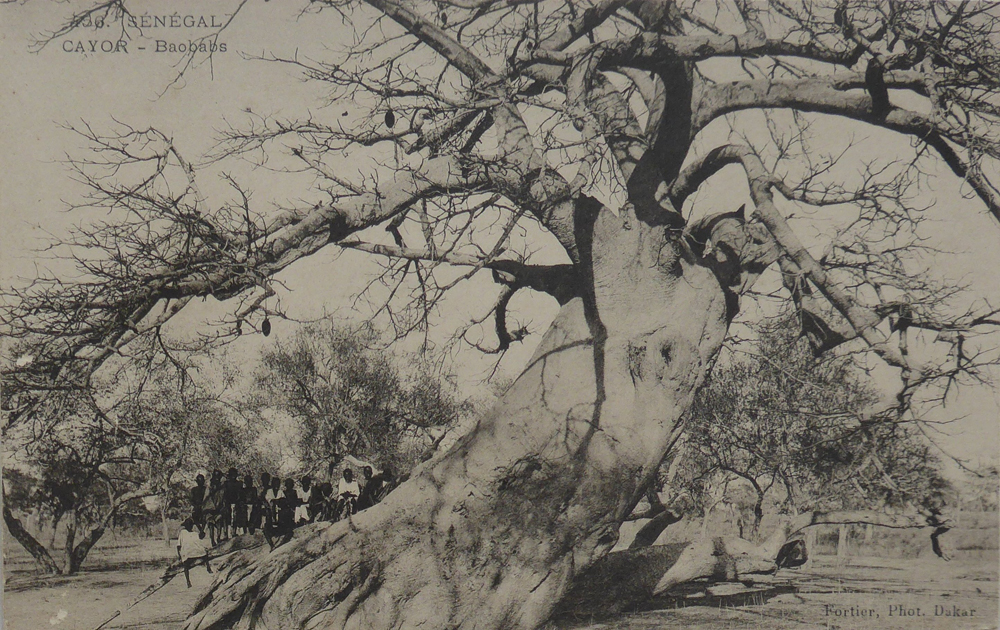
43	91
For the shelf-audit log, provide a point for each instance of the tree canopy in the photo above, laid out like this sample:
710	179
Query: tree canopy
480	95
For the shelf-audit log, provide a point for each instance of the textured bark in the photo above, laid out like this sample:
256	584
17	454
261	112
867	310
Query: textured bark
489	534
721	559
729	558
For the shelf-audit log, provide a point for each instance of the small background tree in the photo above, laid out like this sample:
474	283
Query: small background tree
346	395
85	465
796	431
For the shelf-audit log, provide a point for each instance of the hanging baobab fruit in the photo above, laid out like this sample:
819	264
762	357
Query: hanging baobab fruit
390	118
265	327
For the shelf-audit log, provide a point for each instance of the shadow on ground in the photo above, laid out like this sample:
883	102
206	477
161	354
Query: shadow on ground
622	582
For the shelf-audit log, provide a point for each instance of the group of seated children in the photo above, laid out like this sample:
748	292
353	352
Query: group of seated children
228	507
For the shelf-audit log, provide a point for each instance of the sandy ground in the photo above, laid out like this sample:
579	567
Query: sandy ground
868	593
115	574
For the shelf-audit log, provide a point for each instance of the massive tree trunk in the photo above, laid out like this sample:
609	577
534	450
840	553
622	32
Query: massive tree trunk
489	534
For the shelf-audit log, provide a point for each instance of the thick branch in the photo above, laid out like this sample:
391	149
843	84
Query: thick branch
827	96
436	38
730	558
559	281
650	50
863	320
186	274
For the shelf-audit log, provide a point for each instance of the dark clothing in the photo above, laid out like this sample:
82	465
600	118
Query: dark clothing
198	505
241	508
375	490
327	507
231	491
284	522
315	506
367	497
286	511
256	502
222	512
198	496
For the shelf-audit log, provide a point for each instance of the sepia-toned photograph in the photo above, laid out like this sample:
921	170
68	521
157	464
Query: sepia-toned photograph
500	314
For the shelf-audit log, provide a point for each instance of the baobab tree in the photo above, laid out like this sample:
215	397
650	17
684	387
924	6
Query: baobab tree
594	127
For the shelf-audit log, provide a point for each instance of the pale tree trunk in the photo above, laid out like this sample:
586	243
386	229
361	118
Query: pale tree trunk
659	517
729	558
489	534
55	529
725	558
163	520
810	540
842	545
